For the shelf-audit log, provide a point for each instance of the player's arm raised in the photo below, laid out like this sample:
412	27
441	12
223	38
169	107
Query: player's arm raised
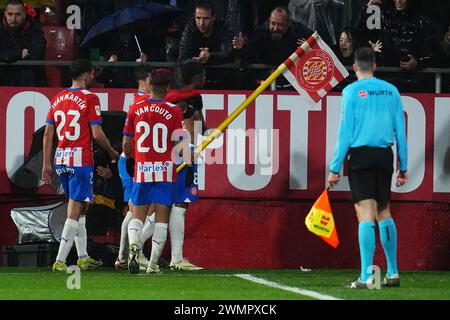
47	150
102	140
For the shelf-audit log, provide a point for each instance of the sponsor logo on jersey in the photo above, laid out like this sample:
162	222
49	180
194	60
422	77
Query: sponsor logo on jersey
153	167
363	94
64	170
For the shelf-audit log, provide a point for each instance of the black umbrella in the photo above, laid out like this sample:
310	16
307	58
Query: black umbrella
129	16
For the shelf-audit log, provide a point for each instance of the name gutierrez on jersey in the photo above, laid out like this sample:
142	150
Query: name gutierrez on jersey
81	103
154	108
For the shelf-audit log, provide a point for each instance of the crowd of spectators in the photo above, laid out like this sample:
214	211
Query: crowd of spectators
412	35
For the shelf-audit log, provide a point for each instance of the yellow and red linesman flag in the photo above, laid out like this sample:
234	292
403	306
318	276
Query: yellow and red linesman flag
316	71
320	220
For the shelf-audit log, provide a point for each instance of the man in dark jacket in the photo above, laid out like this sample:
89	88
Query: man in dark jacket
407	34
205	39
273	42
408	39
21	38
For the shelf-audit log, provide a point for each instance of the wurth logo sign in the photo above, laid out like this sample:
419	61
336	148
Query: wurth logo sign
363	94
325	220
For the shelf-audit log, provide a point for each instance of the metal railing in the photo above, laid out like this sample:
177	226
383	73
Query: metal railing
438	72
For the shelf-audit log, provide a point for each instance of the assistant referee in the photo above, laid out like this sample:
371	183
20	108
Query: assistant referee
372	120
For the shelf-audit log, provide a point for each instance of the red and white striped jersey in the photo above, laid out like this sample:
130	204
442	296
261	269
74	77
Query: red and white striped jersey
72	113
137	98
154	125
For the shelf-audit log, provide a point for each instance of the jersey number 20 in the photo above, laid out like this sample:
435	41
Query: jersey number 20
158	128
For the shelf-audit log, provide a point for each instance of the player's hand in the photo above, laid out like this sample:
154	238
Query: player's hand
25	53
238	41
377	46
130	167
114	154
333	179
402	178
300	41
104	172
47	174
409	65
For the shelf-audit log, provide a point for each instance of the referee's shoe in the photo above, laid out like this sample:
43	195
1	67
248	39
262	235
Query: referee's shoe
358	284
392	281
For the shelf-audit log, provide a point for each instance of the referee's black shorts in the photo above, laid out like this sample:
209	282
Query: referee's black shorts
370	173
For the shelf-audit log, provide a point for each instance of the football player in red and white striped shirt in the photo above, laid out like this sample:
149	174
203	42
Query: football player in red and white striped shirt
75	113
142	77
155	127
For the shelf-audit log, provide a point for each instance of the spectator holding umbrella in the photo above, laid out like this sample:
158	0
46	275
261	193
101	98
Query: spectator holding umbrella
125	49
128	47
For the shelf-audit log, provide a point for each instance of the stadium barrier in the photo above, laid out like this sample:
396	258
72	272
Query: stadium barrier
257	191
438	73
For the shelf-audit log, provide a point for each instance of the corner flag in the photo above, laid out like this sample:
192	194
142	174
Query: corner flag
316	72
320	220
313	69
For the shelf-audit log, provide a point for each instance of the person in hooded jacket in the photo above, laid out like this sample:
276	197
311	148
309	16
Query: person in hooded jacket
21	38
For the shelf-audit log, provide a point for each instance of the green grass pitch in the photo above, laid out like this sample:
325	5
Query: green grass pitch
105	284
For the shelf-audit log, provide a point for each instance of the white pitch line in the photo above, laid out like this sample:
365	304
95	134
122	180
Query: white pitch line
276	285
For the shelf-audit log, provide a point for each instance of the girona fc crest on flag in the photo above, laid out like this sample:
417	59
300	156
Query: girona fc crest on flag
313	70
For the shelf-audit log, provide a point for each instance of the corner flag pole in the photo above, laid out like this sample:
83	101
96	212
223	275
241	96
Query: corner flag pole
305	47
